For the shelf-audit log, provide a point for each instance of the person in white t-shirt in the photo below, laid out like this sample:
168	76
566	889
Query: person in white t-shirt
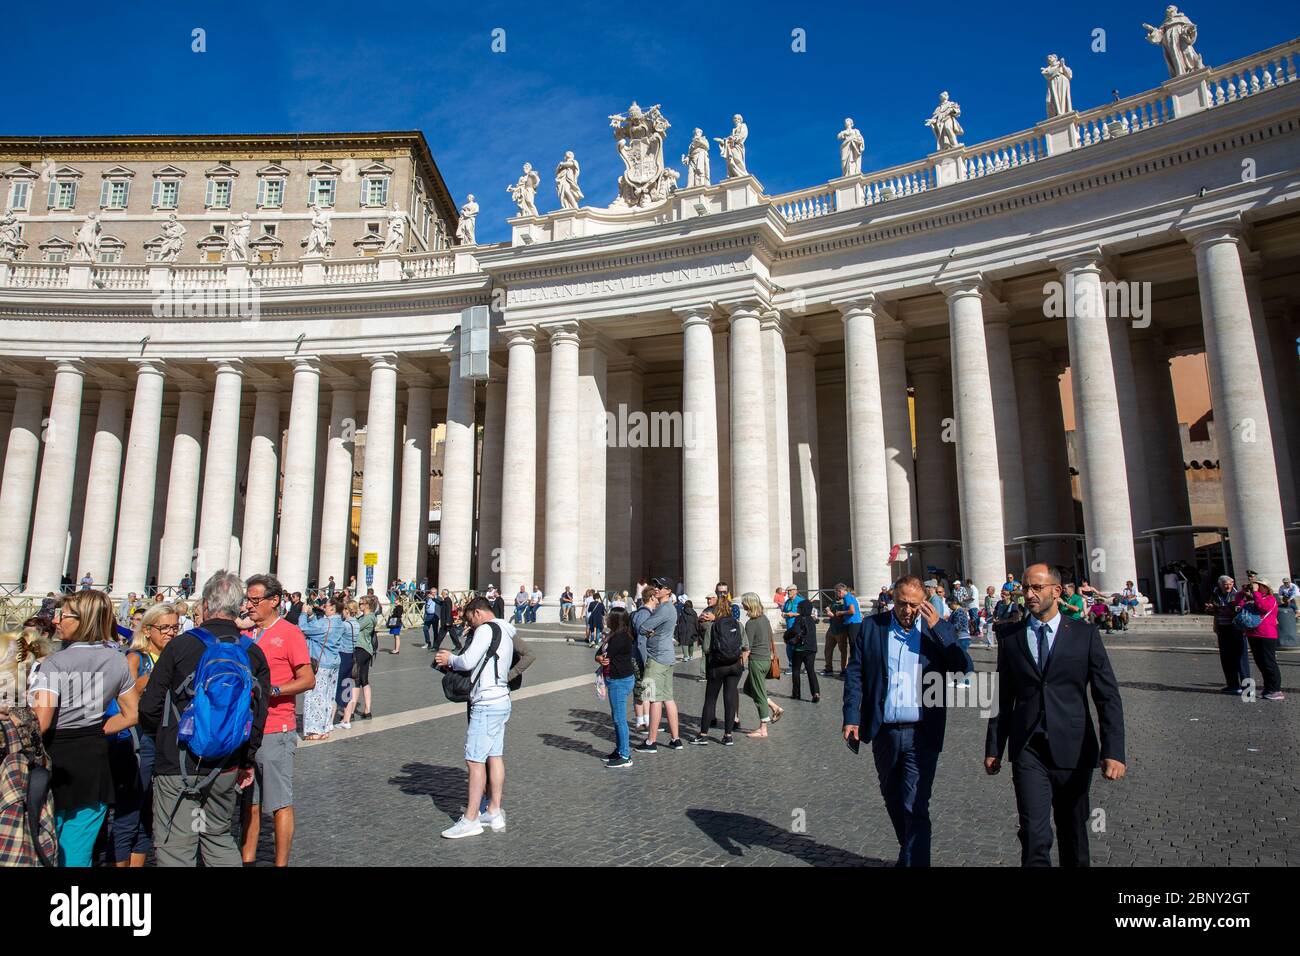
489	711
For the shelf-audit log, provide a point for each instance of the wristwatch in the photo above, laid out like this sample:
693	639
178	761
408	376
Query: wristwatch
275	691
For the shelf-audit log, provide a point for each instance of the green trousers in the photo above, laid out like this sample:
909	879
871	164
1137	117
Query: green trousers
756	686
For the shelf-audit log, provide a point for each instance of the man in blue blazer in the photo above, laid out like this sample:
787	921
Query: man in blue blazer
894	690
1047	664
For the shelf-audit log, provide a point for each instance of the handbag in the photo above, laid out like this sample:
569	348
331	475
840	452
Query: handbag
1247	617
458	686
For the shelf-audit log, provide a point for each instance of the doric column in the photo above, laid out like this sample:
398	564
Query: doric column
622	494
1057	454
868	485
456	535
1011	468
805	527
776	407
750	517
263	484
139	480
58	470
377	476
561	467
1109	558
1250	486
1041	486
979	483
1162	447
519	471
176	553
298	501
16	493
489	493
413	511
936	515
216	519
1252	265
1282	339
592	450
336	502
701	544
100	516
900	470
1130	413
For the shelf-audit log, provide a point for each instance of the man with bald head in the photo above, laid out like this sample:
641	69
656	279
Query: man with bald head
899	659
1047	663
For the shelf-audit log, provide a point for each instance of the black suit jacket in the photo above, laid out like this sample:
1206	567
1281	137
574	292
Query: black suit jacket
866	682
1077	663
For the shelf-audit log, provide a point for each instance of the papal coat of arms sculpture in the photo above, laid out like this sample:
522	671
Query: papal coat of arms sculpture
639	136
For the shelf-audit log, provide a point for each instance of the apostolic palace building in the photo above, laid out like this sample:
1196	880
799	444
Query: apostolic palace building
205	340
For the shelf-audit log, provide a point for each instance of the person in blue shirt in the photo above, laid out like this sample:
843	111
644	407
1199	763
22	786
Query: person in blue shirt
894	689
848	621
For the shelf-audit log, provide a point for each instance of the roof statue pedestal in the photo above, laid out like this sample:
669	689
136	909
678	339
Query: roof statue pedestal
848	191
1190	92
160	276
1060	133
741	192
390	266
237	274
948	166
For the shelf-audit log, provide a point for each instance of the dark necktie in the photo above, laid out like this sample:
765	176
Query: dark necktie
1042	647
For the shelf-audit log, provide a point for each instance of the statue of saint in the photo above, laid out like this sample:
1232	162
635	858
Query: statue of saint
9	239
237	239
943	122
851	148
465	227
173	240
566	182
1058	77
1176	36
733	147
88	239
318	240
524	191
696	160
396	237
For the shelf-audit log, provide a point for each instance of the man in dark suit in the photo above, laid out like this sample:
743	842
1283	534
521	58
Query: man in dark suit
1046	663
894	689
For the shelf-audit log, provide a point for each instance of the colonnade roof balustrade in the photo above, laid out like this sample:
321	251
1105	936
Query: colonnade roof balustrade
1204	89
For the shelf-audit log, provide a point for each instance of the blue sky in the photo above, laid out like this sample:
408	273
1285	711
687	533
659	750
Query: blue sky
129	68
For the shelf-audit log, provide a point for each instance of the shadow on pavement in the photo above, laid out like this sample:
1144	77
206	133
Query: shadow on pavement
734	831
446	785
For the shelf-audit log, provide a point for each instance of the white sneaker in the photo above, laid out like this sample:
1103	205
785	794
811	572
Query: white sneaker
496	821
464	828
345	724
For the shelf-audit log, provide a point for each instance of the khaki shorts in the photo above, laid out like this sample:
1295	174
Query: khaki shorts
273	774
657	682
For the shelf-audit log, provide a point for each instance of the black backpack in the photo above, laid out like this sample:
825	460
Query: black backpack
805	631
458	686
724	644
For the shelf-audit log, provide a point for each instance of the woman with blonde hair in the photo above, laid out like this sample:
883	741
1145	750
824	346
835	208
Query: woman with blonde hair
762	646
131	754
70	694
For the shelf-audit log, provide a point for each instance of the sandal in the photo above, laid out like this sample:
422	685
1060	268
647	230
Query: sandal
777	713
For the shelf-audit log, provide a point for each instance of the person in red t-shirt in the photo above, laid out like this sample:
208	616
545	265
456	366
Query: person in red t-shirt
286	653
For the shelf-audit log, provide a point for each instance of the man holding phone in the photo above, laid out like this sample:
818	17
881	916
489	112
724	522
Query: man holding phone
894	697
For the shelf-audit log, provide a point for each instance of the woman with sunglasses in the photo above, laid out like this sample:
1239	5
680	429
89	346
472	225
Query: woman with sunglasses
69	695
131	755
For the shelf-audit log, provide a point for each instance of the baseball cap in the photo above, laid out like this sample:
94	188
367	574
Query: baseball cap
661	583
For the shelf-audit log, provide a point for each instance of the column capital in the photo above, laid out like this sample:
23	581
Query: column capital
1089	259
231	366
962	287
69	365
801	344
304	363
924	364
149	366
1252	263
772	320
745	309
696	314
867	302
1030	352
563	333
381	360
625	363
520	335
889	329
1213	233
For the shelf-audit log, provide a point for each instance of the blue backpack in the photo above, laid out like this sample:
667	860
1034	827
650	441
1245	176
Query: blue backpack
218	719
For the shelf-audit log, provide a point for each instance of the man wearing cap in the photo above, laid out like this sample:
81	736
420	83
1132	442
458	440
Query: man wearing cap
1286	594
655	641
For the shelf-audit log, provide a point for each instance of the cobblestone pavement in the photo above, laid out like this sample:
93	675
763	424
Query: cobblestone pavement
1211	780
